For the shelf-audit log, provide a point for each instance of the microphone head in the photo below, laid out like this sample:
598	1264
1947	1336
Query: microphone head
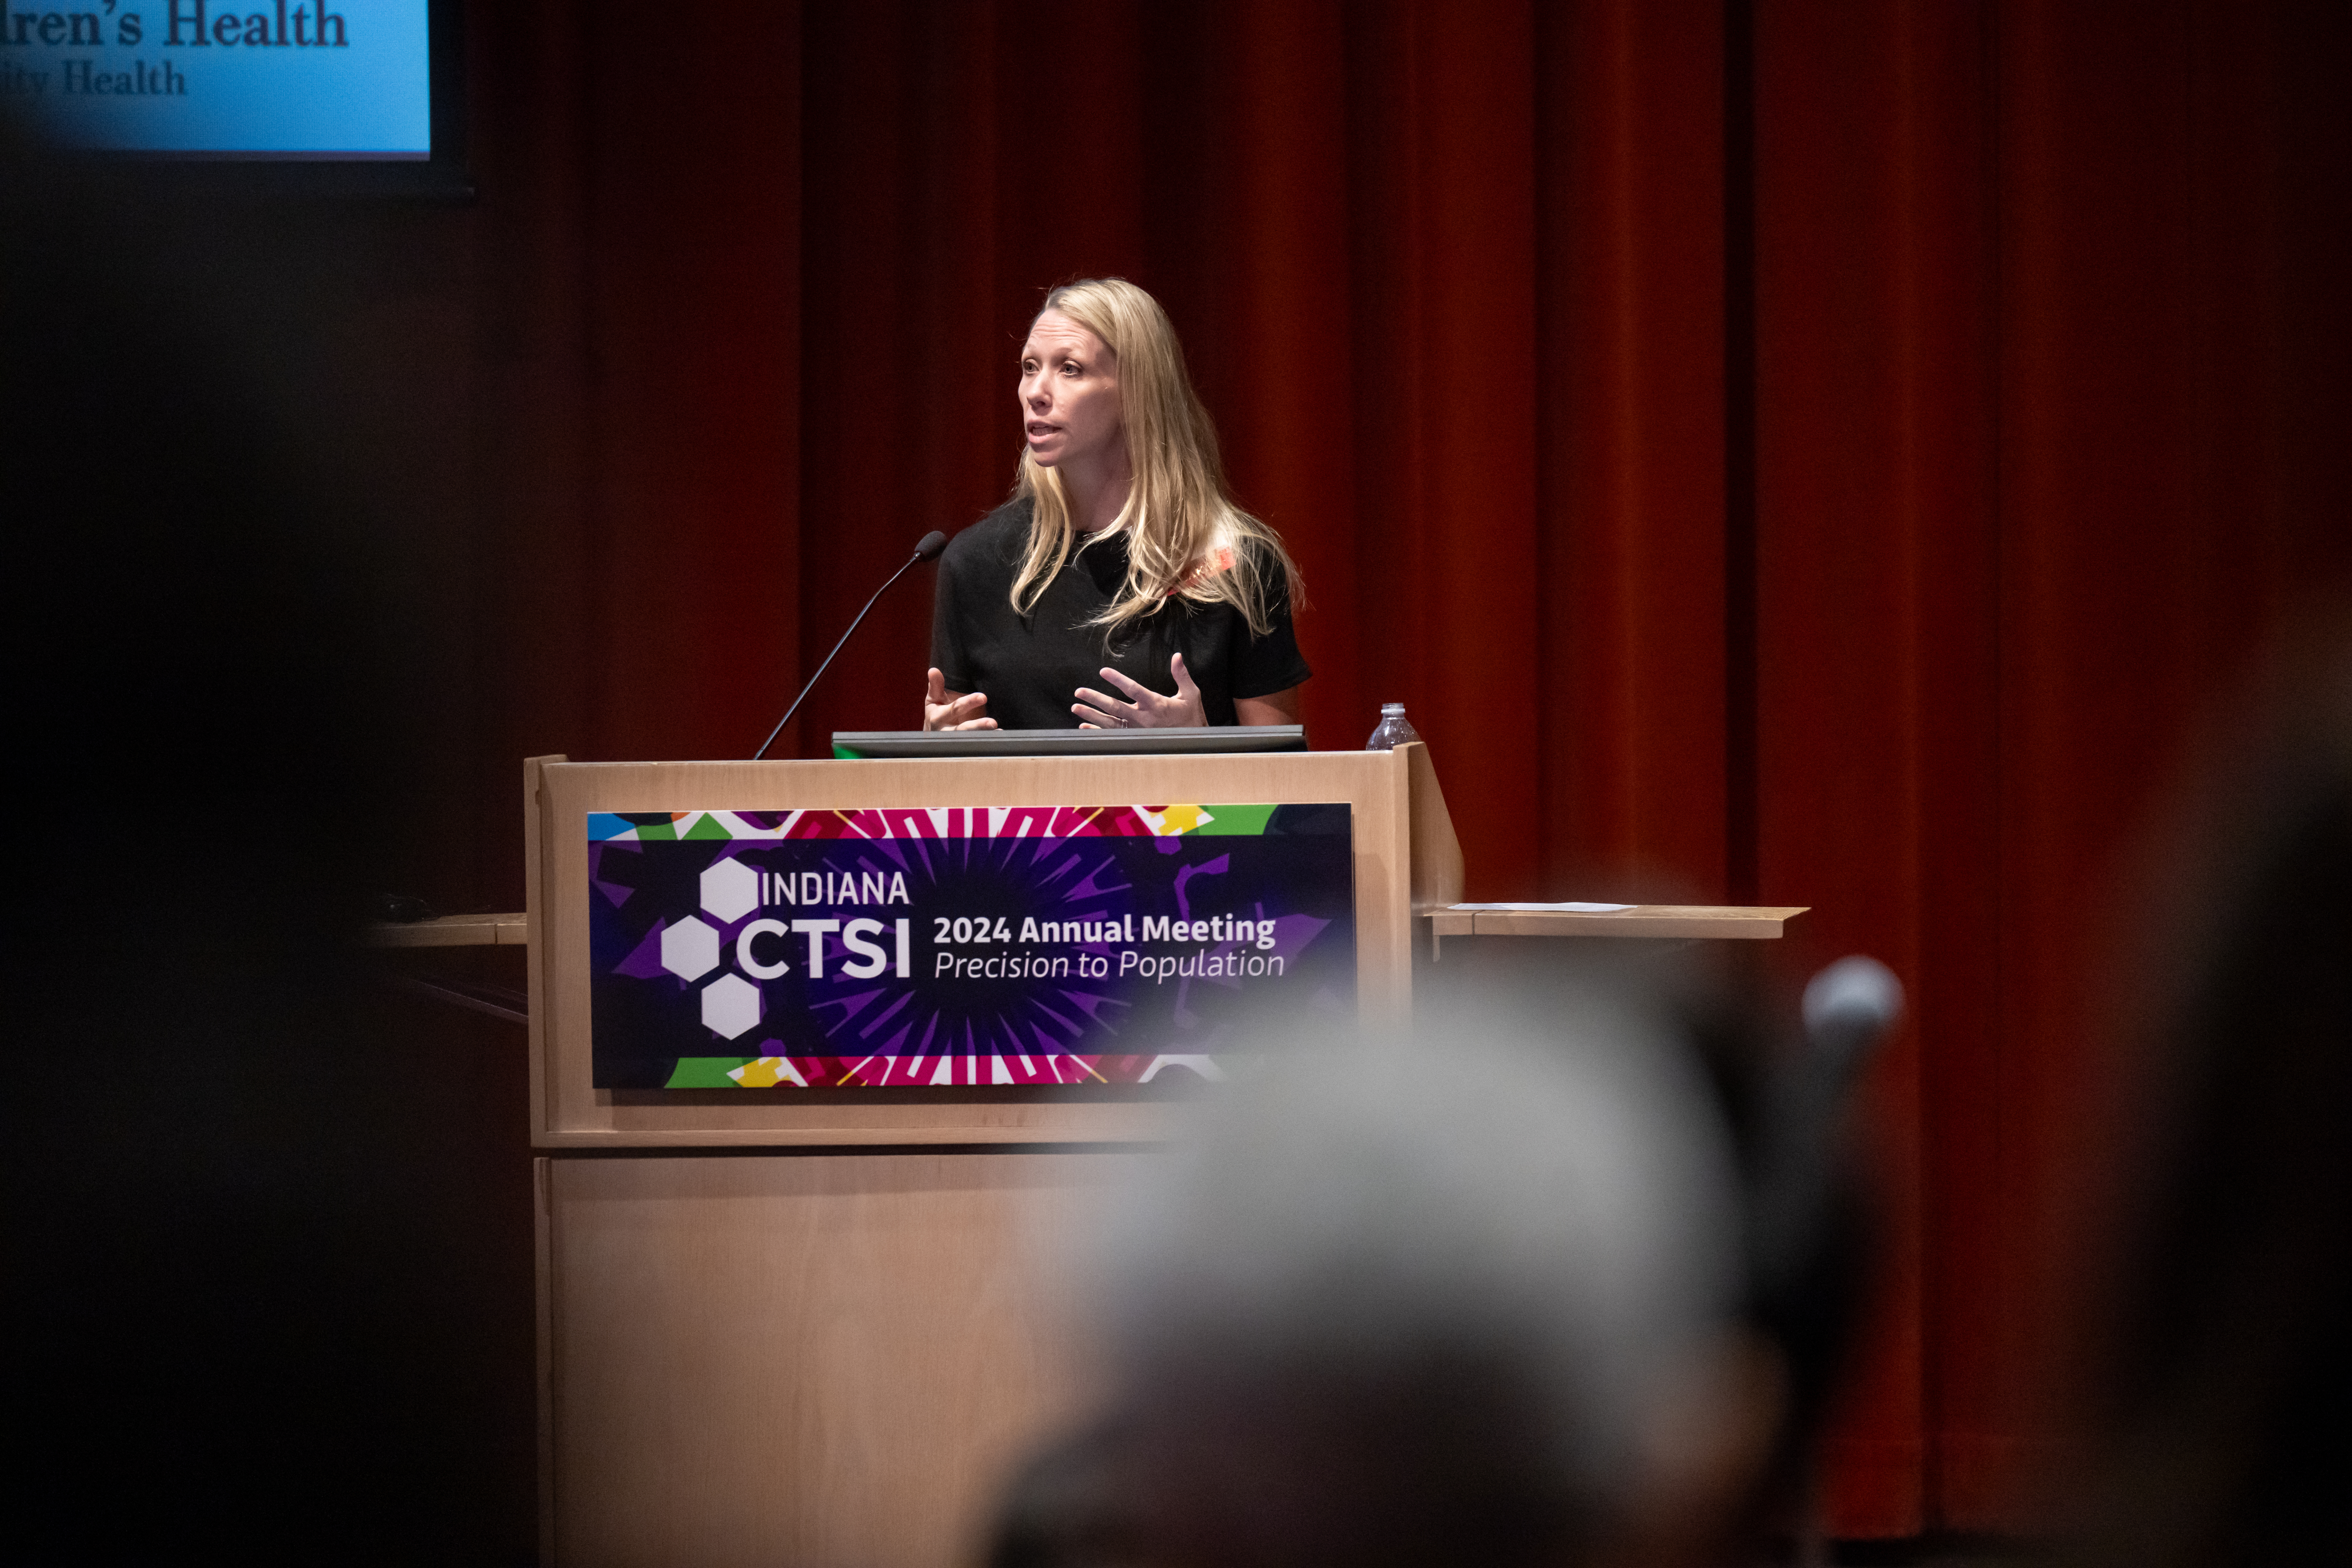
1854	1001
931	543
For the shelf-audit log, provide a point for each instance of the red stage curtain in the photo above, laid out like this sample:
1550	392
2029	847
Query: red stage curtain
1803	452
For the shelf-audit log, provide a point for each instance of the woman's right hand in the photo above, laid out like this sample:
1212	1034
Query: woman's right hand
944	709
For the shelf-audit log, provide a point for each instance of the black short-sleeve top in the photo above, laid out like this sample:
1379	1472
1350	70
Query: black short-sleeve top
1032	665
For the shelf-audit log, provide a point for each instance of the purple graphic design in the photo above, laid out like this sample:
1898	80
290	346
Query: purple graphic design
972	946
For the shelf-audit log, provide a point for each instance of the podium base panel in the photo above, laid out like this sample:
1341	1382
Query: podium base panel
822	1358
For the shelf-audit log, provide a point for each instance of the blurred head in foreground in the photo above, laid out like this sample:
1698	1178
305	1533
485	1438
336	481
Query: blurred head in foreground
2224	1337
1465	1297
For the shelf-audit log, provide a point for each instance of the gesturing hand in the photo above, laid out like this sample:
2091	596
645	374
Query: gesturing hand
943	709
1149	710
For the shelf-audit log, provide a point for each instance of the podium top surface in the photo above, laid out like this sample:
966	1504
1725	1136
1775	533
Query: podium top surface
1204	740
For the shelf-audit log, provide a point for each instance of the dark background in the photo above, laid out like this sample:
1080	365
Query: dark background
1801	452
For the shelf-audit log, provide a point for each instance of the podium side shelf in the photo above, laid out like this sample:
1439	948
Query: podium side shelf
1654	921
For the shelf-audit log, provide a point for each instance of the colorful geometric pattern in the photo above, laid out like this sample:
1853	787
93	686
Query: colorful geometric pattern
929	1072
928	822
973	948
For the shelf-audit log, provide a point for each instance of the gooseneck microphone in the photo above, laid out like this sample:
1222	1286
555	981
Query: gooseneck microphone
927	550
1849	1008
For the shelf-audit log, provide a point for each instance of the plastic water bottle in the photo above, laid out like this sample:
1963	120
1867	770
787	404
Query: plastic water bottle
1394	730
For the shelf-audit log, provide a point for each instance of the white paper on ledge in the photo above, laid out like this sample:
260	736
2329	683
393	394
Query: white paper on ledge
1562	908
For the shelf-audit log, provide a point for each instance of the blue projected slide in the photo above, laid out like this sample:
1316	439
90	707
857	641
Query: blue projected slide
268	78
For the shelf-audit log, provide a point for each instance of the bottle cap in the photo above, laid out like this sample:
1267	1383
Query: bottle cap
1387	708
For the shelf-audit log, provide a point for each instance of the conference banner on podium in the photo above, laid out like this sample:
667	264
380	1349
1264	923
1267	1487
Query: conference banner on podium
966	947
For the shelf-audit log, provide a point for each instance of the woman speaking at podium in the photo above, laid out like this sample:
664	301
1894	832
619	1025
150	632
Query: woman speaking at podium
1119	561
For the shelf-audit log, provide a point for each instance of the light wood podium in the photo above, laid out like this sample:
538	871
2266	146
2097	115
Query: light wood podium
821	1332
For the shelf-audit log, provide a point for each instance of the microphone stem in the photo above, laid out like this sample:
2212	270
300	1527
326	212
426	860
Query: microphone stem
821	669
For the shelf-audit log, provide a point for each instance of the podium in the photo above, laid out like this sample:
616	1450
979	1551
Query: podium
817	1325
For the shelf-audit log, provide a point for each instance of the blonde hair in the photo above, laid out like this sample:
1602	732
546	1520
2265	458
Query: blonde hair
1186	538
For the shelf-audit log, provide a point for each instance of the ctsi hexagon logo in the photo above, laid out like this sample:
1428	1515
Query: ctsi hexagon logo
731	889
981	946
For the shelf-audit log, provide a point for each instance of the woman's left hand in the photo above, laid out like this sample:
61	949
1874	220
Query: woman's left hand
1148	710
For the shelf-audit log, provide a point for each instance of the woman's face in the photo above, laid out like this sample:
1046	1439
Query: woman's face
1070	394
